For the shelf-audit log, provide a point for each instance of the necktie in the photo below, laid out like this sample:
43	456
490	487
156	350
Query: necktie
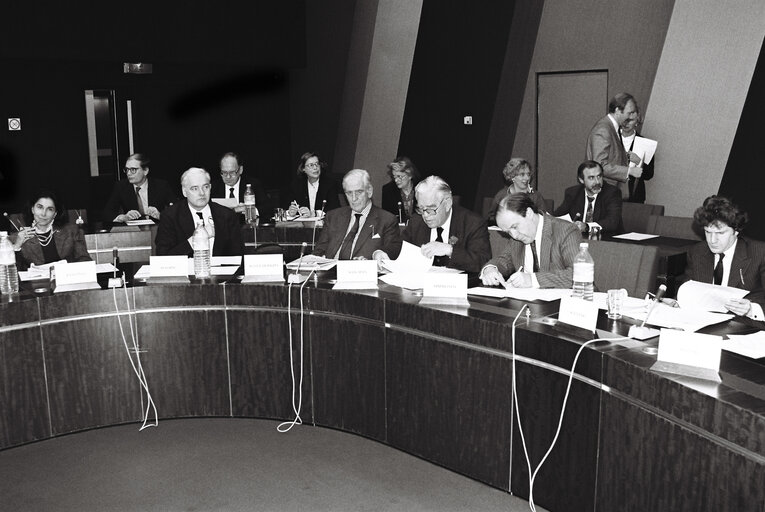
346	250
201	217
718	274
534	254
140	203
588	212
439	261
231	192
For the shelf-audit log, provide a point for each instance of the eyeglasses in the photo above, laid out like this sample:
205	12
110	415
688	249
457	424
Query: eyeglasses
397	177
312	165
229	174
131	170
430	211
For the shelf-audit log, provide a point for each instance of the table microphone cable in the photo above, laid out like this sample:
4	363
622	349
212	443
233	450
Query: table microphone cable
137	366
286	426
533	474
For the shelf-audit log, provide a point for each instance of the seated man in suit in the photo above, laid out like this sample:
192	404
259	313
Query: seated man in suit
543	252
454	236
726	258
233	183
360	231
592	202
181	219
138	196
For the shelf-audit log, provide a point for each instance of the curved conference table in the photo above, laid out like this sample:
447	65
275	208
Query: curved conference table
432	381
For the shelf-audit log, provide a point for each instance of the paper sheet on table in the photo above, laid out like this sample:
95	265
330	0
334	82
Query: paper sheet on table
644	148
218	267
680	318
414	280
749	345
706	296
312	262
140	222
632	305
635	236
217	261
410	261
43	271
228	202
543	294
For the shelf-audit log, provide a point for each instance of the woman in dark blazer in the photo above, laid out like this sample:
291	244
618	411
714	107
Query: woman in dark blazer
310	177
398	196
49	238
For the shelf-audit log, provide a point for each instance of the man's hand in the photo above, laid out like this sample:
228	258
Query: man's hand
635	172
581	225
520	280
491	276
436	249
131	215
240	208
634	158
153	212
740	307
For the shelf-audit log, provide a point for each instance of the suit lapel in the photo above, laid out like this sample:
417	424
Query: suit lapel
739	265
544	252
345	219
188	223
366	231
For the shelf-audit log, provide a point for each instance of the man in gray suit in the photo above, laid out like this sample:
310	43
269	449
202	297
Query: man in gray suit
605	146
542	252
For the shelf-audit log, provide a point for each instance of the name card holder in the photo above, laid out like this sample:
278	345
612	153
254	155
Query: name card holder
75	276
690	354
263	268
168	270
444	289
577	316
356	275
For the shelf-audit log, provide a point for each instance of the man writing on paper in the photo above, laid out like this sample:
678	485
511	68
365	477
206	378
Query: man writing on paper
605	146
592	203
726	258
233	184
360	231
543	250
181	219
454	236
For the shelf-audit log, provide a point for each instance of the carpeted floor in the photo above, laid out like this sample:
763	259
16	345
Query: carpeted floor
231	465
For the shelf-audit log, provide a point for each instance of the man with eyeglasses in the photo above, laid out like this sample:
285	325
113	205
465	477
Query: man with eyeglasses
138	196
233	184
181	219
360	231
454	236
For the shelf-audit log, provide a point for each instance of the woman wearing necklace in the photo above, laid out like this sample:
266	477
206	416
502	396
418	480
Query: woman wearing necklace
517	174
49	239
398	195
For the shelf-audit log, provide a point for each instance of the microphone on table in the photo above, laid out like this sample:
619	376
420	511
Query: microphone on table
642	332
296	278
321	216
400	215
114	281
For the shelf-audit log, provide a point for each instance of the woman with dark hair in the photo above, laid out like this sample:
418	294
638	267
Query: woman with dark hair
311	188
726	258
49	238
398	196
518	177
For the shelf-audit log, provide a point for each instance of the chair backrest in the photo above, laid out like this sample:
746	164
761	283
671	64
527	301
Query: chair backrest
268	248
621	265
635	216
499	242
550	205
674	227
488	202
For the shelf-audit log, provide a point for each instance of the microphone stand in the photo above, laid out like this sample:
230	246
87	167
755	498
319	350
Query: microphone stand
114	281
641	332
296	278
316	222
400	215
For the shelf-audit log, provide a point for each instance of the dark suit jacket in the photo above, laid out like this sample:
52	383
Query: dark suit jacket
636	186
471	248
380	231
122	198
747	269
604	145
538	199
265	209
391	195
70	244
607	211
178	225
560	245
327	191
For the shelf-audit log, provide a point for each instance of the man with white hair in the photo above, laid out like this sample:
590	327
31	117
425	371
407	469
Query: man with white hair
454	236
359	231
181	219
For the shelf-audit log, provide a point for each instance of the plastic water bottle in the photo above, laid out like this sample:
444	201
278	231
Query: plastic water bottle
9	276
250	210
201	243
584	273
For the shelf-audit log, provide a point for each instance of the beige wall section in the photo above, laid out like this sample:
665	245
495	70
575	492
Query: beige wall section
375	90
703	77
594	34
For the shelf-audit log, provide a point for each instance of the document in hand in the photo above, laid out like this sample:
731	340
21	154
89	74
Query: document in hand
644	148
410	261
706	296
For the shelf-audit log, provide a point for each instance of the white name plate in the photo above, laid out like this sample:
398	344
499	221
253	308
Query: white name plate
263	268
436	284
168	266
356	274
689	353
75	273
578	312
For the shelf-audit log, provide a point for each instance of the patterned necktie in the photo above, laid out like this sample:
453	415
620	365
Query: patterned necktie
201	217
346	250
534	255
718	273
231	193
588	212
140	203
439	261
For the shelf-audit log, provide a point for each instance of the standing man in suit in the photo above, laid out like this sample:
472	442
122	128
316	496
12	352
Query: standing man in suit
137	196
181	219
360	231
726	258
592	203
636	186
543	252
604	144
454	236
233	184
